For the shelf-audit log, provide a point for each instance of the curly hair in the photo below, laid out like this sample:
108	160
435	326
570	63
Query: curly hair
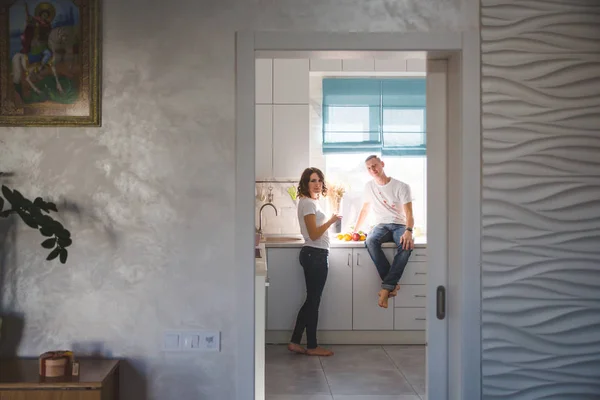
305	178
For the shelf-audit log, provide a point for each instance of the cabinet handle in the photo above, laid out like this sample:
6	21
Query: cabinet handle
420	273
420	295
419	319
349	257
358	259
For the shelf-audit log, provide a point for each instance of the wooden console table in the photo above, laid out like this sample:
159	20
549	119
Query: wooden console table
97	380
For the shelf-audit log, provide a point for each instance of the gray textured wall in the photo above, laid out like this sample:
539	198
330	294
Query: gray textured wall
152	191
541	199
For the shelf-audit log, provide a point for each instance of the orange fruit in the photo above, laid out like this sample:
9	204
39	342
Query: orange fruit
347	237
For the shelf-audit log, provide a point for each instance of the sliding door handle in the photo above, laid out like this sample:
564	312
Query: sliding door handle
440	301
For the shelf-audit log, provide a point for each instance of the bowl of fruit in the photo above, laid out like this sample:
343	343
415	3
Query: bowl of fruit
359	236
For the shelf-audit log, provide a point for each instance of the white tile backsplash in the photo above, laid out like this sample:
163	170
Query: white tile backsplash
286	220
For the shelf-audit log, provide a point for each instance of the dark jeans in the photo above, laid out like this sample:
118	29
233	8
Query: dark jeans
390	274
315	264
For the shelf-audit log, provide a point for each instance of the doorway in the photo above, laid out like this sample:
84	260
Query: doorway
447	197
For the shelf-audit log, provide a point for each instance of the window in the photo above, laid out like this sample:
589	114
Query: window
382	115
386	117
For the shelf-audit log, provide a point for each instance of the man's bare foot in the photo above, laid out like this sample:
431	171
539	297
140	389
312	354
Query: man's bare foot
383	298
296	348
319	351
394	292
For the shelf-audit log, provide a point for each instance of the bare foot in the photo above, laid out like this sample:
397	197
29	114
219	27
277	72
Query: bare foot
296	348
394	292
383	298
319	351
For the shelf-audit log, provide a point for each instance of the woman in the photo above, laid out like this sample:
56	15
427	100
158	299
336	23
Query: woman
313	258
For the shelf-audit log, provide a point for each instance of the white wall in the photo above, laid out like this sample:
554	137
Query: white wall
541	207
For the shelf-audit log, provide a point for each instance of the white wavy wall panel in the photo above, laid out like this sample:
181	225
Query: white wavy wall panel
541	199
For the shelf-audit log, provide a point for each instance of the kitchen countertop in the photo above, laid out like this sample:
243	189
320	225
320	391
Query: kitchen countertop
298	241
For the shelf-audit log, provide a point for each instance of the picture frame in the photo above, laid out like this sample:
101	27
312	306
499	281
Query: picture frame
50	69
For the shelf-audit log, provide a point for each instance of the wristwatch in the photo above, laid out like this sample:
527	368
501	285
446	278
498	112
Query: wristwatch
409	229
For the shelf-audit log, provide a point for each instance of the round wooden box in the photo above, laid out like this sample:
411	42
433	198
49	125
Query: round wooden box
55	364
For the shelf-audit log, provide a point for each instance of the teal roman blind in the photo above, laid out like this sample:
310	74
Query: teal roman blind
374	115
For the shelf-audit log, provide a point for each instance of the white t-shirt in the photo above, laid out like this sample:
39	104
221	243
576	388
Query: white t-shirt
387	201
307	206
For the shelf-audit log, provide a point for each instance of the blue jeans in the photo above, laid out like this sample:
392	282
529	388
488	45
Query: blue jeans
383	233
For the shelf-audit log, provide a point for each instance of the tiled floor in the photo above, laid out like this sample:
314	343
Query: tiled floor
353	373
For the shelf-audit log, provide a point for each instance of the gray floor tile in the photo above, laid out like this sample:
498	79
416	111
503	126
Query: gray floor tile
389	382
287	381
376	397
280	356
370	358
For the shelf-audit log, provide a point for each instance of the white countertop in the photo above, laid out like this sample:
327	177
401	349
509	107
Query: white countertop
298	241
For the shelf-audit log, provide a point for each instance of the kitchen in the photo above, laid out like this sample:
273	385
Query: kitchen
290	98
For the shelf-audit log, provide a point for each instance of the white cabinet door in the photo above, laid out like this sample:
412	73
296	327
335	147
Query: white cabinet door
335	312
264	141
411	296
415	273
264	81
409	319
366	283
290	81
290	140
287	290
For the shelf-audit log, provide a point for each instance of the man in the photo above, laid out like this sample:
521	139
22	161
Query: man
390	201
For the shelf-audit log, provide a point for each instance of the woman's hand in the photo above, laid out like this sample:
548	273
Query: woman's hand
334	218
406	241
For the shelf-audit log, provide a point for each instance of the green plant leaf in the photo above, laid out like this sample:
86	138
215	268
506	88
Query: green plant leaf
63	255
63	233
18	196
64	242
28	220
49	243
1	203
51	206
8	194
53	254
46	232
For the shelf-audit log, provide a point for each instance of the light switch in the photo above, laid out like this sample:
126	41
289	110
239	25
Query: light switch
190	341
171	341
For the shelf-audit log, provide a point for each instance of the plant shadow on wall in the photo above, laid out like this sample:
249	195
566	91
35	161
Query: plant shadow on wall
36	215
16	209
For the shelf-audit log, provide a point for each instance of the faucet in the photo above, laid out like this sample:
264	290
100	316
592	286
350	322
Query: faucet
260	217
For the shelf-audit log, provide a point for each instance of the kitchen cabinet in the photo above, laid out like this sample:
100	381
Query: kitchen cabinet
349	302
287	289
291	132
290	81
263	83
282	120
335	312
264	141
366	314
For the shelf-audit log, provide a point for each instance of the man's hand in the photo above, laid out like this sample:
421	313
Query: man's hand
406	241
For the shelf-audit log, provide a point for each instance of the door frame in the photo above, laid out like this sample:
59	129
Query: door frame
461	251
